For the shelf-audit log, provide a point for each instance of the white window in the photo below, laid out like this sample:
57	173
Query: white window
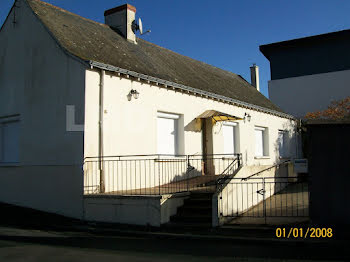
282	143
9	142
261	141
229	133
167	132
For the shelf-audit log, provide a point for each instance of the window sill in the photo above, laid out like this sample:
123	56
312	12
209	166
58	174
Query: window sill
9	164
261	157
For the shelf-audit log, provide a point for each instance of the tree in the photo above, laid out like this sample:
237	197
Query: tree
337	110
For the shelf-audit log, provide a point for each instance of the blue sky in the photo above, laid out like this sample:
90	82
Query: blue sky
226	34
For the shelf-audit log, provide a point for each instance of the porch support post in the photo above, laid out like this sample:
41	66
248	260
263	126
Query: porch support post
100	132
207	143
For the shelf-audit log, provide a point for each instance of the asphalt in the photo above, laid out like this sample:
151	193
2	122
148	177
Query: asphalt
29	232
244	242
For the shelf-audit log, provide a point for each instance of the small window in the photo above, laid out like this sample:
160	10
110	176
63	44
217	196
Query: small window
261	142
230	136
282	143
9	142
167	133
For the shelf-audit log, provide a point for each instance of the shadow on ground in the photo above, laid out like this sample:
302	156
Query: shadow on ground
193	247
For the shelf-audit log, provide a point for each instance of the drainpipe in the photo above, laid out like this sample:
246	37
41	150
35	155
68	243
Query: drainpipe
100	132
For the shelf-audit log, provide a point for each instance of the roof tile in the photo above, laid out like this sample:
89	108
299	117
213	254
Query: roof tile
92	41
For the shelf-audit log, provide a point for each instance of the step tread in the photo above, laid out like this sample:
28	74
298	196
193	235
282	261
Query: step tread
182	224
195	212
190	219
198	200
196	209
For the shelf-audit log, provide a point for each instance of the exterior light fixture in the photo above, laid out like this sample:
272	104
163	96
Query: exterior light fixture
247	117
133	93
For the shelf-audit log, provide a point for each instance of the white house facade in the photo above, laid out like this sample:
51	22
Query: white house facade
139	126
100	125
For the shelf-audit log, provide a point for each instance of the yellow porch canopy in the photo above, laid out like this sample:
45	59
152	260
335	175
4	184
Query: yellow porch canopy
217	116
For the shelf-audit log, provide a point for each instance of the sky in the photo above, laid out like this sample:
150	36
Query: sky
226	34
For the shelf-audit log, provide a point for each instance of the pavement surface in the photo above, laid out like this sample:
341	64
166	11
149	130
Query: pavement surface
106	244
290	205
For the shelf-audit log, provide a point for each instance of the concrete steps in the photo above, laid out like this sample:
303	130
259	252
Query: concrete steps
195	213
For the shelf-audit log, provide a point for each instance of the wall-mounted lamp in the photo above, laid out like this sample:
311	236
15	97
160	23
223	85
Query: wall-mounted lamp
247	117
133	93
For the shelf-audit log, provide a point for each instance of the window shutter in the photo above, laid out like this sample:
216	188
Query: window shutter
259	142
229	139
167	133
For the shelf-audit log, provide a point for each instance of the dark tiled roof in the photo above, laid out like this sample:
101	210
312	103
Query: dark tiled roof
92	41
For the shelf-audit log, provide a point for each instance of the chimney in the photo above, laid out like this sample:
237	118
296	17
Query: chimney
254	75
122	18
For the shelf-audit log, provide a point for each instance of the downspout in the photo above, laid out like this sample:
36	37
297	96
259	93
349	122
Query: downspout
100	132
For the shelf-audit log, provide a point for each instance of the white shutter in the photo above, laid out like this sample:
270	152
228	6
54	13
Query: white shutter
10	142
166	132
259	142
229	139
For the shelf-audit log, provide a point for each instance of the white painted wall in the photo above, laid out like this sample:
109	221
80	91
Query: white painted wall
135	210
240	195
299	95
130	127
54	189
37	81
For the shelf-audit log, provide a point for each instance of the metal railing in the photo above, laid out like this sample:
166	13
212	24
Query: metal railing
278	166
264	197
156	174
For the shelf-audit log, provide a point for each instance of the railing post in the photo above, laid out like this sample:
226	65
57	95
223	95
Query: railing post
187	171
159	174
102	176
264	200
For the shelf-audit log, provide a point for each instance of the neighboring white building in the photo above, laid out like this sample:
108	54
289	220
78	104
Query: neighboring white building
307	74
73	91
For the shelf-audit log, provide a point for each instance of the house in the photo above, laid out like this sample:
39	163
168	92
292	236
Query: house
101	125
308	73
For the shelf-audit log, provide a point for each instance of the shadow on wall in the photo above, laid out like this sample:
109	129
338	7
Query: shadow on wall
190	173
289	142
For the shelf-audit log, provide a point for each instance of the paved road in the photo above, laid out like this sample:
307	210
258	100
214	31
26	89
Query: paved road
36	245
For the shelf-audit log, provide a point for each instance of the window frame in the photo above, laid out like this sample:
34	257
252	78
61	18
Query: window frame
285	146
236	145
176	118
265	142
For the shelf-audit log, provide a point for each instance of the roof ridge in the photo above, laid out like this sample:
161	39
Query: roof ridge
169	50
65	11
146	58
